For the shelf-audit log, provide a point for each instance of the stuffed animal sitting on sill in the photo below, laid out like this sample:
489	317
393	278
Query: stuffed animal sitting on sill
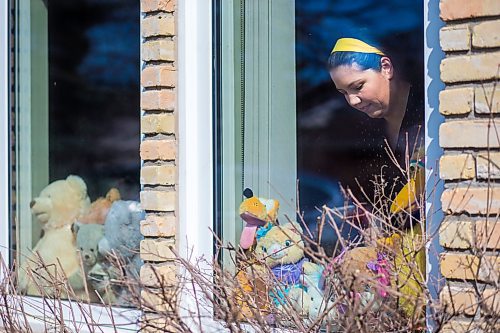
295	280
57	207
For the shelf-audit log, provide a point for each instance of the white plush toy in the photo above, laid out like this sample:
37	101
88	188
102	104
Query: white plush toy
56	208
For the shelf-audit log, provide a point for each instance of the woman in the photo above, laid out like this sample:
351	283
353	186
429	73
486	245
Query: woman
374	83
367	78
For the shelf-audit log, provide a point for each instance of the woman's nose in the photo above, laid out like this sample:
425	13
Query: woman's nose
353	100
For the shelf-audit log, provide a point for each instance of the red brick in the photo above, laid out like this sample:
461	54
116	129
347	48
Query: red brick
470	267
158	100
159	226
158	25
158	150
161	201
467	68
159	76
157	275
164	123
157	250
464	233
469	134
459	300
158	5
463	9
488	234
471	200
158	50
159	174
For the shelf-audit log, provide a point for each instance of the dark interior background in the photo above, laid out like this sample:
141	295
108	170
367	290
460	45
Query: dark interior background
335	143
94	57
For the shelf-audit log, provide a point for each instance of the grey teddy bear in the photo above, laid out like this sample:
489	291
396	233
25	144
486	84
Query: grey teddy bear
121	239
87	240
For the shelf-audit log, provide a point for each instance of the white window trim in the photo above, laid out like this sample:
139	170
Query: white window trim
195	139
194	93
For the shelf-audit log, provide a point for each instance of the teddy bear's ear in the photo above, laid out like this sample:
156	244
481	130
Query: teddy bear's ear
78	183
113	195
75	227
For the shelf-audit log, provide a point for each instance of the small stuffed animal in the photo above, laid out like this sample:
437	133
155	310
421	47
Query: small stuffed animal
121	240
100	279
57	207
100	207
364	273
87	241
256	212
122	235
282	250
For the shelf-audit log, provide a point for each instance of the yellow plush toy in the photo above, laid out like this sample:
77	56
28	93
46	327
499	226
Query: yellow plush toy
256	212
410	257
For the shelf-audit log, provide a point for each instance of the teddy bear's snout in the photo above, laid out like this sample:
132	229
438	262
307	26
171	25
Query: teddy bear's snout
88	258
276	251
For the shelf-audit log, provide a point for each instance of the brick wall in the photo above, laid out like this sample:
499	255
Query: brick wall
159	144
470	167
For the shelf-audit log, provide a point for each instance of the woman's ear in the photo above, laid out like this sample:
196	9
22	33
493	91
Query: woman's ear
386	67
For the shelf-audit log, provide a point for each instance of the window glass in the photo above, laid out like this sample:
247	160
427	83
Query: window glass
340	147
320	106
335	147
76	143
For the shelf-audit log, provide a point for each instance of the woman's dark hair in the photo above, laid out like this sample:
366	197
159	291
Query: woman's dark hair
363	60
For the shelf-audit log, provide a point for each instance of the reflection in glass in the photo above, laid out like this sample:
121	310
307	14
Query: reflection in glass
76	142
335	142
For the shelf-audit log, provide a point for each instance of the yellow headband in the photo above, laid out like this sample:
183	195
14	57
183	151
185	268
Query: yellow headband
355	45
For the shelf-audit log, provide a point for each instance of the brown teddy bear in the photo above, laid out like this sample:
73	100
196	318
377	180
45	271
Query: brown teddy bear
100	207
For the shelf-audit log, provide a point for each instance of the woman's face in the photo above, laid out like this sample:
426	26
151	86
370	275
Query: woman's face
365	90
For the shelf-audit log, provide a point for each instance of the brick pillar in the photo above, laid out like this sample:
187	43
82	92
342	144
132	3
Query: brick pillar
470	167
158	149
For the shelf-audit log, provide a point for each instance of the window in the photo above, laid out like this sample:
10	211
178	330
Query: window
280	119
75	135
